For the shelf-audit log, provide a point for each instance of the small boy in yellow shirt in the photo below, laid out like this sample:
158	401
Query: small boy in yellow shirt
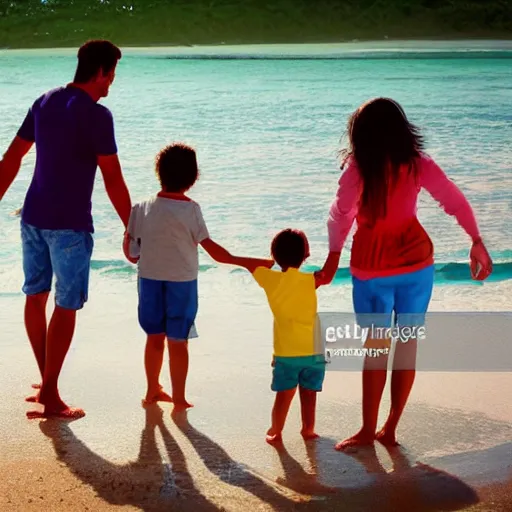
299	357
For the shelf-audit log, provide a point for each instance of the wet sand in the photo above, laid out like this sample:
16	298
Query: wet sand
456	432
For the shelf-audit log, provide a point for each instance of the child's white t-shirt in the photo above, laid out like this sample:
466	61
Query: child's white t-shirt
166	233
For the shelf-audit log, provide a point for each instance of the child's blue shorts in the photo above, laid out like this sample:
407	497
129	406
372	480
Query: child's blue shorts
408	295
290	372
167	307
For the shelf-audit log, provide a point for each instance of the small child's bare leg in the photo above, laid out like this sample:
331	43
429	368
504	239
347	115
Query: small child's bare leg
279	413
178	363
308	412
153	360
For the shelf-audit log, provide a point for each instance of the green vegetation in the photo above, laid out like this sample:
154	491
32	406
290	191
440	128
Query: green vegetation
60	23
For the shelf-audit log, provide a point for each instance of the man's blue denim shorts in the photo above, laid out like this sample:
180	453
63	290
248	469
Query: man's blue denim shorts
65	253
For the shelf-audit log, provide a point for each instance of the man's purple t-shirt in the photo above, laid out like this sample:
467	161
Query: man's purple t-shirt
70	131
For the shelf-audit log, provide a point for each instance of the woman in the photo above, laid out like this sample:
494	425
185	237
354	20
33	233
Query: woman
392	263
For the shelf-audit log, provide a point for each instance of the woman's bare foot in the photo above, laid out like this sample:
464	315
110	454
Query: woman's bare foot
309	435
159	396
362	438
181	405
387	437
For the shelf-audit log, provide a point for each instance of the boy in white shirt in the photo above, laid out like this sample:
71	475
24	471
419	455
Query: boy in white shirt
163	236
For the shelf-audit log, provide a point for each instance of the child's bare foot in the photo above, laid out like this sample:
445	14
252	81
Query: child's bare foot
308	435
159	396
273	437
387	438
181	405
360	439
36	386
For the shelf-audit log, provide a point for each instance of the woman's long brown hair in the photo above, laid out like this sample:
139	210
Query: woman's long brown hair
381	140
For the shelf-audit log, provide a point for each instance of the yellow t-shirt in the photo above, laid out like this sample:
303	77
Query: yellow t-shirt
292	299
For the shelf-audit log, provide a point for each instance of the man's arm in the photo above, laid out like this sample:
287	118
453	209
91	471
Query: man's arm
11	162
221	255
115	186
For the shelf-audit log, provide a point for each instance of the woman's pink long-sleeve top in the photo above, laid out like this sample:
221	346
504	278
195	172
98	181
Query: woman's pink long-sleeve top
397	243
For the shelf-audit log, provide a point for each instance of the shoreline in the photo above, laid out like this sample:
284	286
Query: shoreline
427	44
461	38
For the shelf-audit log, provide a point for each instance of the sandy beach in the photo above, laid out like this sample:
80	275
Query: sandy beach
456	433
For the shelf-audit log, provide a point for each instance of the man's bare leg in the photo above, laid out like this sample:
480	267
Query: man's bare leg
35	325
60	335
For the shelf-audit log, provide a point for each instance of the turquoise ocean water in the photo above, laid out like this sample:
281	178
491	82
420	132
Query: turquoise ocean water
267	124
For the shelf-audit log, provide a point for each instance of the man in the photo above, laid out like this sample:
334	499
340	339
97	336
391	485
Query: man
73	135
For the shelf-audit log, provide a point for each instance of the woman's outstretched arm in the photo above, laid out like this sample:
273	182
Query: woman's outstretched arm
454	203
434	180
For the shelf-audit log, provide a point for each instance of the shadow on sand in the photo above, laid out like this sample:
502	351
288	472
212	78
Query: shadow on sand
146	483
407	487
150	484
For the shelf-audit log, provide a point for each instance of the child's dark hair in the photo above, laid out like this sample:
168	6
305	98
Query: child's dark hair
176	168
290	248
381	140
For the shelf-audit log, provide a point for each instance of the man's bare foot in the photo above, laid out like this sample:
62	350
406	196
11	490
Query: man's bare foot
360	439
181	405
159	396
308	435
69	413
387	438
273	437
56	408
34	399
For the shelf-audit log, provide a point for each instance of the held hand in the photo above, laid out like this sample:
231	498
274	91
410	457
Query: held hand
320	278
328	271
133	260
128	244
480	261
268	263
